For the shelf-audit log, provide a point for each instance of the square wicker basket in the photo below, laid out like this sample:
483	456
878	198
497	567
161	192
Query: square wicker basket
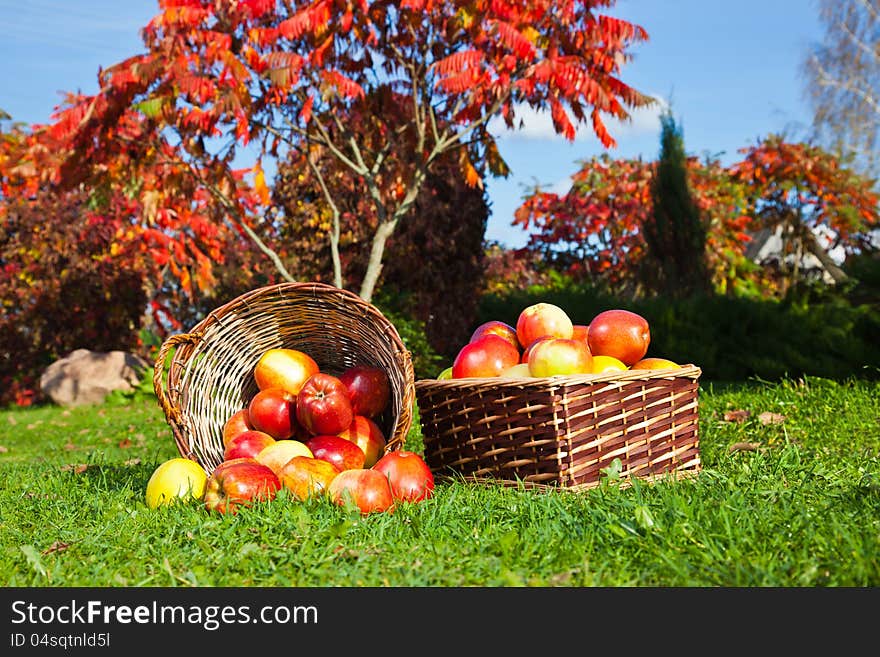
562	431
203	376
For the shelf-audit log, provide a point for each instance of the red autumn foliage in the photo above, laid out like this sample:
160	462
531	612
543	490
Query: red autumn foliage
66	283
277	78
593	231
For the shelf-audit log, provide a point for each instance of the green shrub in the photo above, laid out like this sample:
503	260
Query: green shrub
427	363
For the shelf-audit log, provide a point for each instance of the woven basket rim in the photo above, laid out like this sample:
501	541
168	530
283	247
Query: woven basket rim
688	370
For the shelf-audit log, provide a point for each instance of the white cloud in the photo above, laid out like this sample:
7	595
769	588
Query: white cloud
539	126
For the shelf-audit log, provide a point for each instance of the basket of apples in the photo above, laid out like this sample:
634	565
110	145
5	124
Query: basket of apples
550	403
284	371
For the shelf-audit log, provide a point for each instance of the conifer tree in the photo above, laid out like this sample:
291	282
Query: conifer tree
675	235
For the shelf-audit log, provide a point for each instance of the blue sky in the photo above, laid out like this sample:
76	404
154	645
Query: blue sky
731	70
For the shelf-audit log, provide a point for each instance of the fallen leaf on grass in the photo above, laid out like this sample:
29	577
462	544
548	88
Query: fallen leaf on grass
124	443
3	449
57	546
77	468
737	416
69	446
771	418
134	461
745	447
12	420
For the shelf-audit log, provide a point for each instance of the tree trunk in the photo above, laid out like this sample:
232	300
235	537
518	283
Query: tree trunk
374	267
828	263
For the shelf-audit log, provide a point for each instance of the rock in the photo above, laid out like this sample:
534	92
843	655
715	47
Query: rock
87	377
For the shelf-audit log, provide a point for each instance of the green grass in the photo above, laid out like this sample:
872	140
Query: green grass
800	508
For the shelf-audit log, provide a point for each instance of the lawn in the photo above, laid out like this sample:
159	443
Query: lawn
788	496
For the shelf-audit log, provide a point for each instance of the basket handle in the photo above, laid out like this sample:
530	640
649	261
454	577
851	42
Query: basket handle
159	371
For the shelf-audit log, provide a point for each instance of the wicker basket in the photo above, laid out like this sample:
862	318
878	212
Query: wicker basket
210	373
561	431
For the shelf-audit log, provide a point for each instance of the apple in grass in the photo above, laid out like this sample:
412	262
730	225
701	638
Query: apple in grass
619	333
307	476
367	435
560	356
484	357
284	368
280	452
499	328
368	388
323	405
240	482
341	452
543	319
175	480
408	475
367	489
273	411
247	444
238	422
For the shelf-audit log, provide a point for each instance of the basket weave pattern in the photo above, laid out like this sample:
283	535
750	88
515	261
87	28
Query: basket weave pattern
562	431
210	374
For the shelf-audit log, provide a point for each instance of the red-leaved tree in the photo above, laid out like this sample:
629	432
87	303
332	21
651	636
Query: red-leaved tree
595	230
801	190
167	126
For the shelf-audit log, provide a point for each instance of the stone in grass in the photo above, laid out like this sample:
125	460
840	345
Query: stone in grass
87	377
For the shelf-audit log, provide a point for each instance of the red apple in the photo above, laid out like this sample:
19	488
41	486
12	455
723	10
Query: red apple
499	328
247	444
525	354
238	422
619	333
273	411
368	388
368	489
240	482
367	435
409	476
284	368
306	476
556	356
580	331
341	452
543	319
486	356
323	405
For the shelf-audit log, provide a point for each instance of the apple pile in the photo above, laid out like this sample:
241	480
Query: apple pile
545	342
314	433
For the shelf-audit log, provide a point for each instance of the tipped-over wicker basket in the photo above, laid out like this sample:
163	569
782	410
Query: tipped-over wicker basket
210	369
562	431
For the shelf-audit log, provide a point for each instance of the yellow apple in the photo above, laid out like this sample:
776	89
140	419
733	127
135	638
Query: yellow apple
176	479
602	364
518	371
284	368
280	452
